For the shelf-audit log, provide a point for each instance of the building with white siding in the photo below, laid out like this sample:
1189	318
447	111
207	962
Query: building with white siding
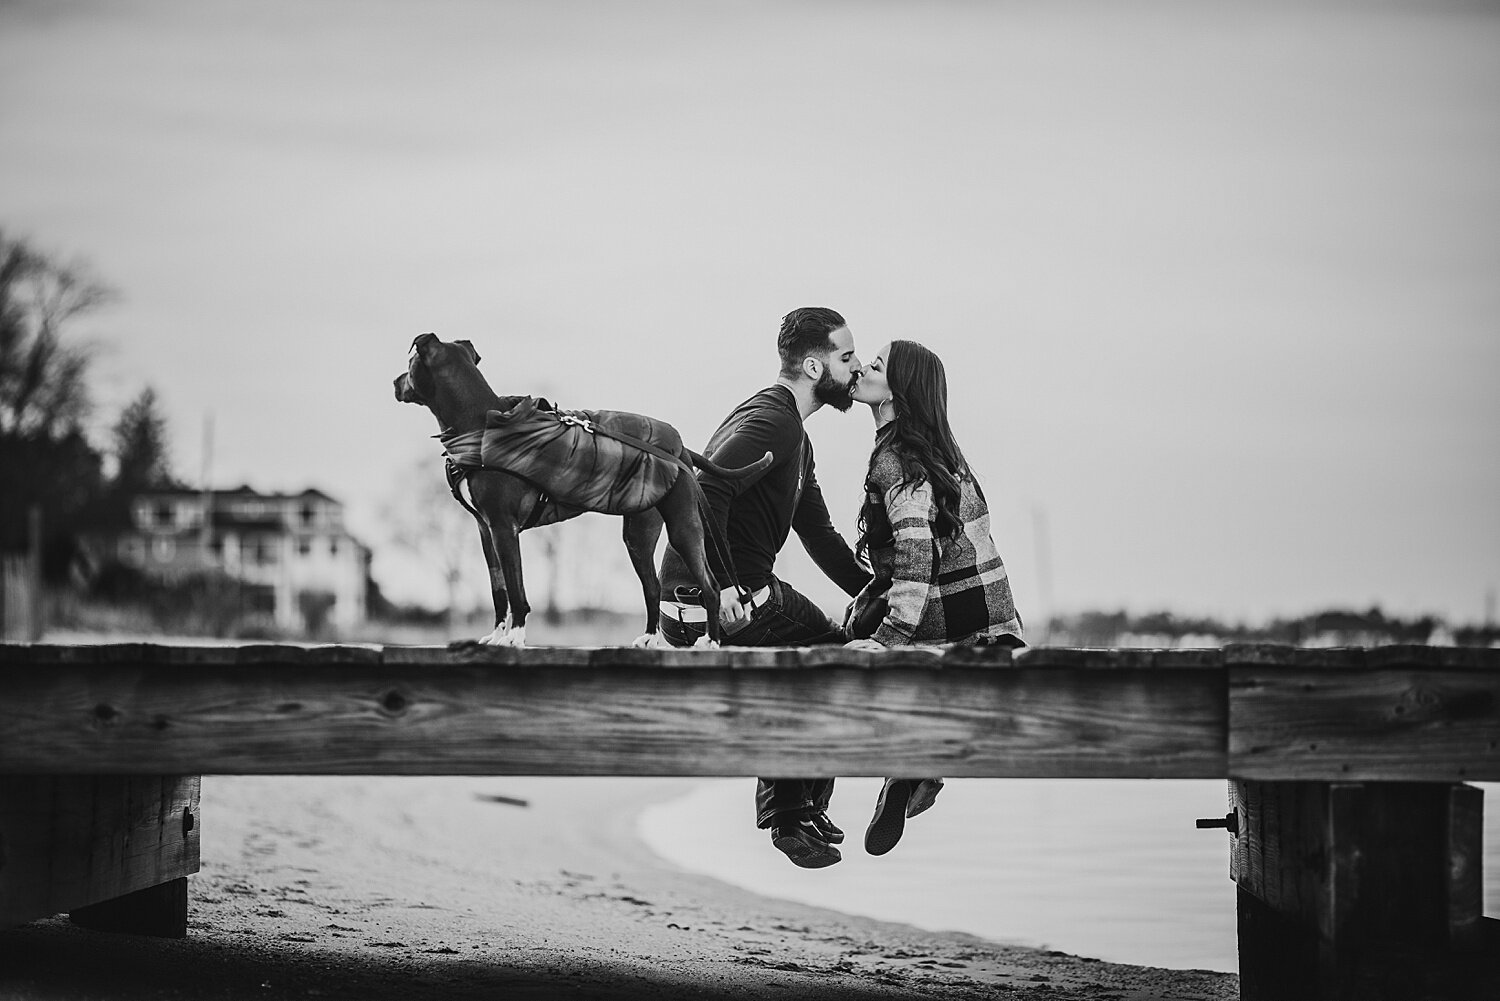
299	563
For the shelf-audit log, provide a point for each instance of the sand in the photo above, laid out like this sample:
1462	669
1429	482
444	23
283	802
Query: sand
405	888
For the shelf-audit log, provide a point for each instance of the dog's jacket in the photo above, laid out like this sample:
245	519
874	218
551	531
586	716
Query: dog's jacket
572	456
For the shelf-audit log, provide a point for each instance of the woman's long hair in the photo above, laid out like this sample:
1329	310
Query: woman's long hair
921	440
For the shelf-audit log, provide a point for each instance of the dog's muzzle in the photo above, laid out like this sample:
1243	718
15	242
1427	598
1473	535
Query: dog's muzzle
406	392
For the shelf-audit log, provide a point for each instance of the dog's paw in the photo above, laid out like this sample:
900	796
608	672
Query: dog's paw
704	643
504	636
513	637
651	641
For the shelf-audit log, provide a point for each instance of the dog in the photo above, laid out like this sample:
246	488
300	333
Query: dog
444	377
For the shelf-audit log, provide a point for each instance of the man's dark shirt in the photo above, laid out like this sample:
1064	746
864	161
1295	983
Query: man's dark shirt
755	514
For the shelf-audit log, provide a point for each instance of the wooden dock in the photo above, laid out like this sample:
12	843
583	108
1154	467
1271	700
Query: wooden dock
1353	839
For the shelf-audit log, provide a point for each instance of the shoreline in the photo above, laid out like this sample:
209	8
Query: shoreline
1016	861
401	888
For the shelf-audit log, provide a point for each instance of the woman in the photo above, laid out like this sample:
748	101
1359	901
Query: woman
925	531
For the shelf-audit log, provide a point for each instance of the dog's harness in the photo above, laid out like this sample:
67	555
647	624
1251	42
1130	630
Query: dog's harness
468	445
457	475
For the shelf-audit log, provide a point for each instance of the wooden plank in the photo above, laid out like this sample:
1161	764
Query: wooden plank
1278	960
1250	874
1278	853
1360	658
1465	837
1385	926
74	840
1338	913
610	712
1237	842
1280	846
1387	719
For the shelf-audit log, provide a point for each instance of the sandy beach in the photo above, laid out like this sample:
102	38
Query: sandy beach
402	888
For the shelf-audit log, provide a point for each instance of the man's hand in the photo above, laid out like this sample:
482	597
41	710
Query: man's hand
731	610
864	645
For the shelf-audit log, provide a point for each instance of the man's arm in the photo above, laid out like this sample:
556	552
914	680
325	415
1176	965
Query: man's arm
823	542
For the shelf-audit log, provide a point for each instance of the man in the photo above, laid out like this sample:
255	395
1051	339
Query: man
754	516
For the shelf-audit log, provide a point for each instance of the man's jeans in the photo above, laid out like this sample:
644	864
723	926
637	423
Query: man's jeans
787	618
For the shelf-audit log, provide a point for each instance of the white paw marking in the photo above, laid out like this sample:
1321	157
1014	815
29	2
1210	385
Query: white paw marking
651	641
704	643
505	635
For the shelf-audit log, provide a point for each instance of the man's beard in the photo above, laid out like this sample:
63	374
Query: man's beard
838	395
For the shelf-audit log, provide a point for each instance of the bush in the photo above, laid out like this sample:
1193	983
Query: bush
199	604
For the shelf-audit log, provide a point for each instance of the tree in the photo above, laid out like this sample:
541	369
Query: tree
48	462
141	447
421	518
43	393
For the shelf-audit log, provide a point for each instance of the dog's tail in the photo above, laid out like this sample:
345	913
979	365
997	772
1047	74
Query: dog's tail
709	465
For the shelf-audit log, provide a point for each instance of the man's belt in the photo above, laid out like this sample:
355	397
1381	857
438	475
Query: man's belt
684	612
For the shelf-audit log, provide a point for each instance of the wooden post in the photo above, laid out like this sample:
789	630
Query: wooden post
35	626
1358	890
114	850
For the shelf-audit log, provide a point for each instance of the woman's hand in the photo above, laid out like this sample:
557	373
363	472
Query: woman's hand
864	645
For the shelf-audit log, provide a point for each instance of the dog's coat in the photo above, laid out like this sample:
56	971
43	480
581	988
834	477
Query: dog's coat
574	457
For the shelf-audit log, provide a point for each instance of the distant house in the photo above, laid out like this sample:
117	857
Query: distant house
301	566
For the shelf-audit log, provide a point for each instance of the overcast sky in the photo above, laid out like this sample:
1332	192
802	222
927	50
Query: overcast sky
1217	285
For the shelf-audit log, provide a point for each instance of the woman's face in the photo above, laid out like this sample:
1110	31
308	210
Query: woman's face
872	387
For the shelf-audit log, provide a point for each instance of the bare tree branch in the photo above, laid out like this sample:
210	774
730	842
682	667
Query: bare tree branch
43	392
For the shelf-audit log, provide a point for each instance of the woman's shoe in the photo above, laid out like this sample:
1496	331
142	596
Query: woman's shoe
923	796
890	816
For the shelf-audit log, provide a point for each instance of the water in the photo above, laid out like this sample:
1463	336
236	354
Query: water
1112	869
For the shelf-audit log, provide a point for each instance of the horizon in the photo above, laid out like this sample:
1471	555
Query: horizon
1214	286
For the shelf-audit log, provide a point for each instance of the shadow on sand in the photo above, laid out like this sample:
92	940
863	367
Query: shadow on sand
53	960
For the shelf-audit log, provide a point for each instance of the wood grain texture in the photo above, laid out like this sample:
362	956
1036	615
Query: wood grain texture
1390	713
356	710
1465	867
1378	722
73	840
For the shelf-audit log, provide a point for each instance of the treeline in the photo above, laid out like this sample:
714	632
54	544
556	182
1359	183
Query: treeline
1109	628
48	463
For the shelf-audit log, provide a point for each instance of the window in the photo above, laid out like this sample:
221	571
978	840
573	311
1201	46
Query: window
309	514
165	513
165	550
333	547
304	547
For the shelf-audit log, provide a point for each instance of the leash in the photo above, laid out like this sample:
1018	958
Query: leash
705	511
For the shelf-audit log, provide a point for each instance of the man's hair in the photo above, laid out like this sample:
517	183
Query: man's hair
805	332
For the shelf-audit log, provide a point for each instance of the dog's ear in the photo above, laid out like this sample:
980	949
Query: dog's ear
469	346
